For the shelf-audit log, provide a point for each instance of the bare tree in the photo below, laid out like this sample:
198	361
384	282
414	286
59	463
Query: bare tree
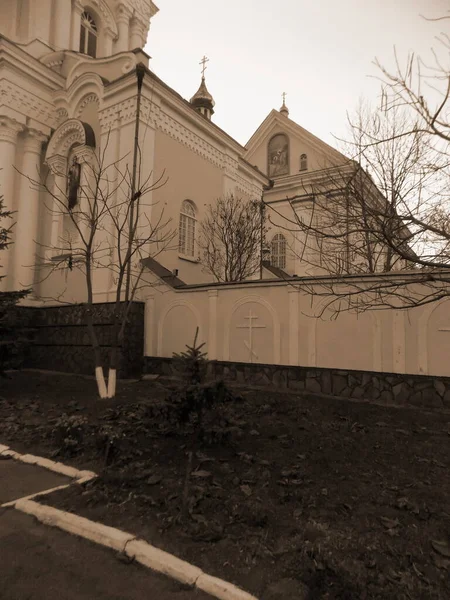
231	236
106	228
385	211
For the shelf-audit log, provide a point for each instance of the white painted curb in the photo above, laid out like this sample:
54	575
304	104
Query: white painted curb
163	562
221	589
50	465
96	532
144	553
121	541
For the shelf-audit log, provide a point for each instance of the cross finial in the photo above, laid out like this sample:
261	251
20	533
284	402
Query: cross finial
203	62
284	97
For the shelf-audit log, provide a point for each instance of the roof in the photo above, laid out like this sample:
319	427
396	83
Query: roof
276	270
164	274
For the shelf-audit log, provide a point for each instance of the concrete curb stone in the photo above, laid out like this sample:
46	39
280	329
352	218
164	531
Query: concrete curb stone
161	561
121	541
221	589
50	465
96	532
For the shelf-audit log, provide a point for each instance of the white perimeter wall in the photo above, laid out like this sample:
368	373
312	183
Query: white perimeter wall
285	331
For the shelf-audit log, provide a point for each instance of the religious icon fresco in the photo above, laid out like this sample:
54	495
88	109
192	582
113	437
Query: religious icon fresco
73	183
278	155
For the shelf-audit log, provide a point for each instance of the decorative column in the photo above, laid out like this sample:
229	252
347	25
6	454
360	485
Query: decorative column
62	32
136	36
293	295
212	324
77	10
108	43
123	26
8	143
28	211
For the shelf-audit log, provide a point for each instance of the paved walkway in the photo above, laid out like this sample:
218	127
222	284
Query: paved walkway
44	563
19	479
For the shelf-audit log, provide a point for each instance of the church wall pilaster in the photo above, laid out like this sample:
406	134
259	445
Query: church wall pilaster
136	34
9	130
28	210
293	295
62	21
77	10
212	324
123	25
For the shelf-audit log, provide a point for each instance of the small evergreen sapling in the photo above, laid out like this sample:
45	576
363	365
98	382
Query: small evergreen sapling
198	397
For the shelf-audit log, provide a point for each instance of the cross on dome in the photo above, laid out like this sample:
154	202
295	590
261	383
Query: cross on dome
284	109
203	62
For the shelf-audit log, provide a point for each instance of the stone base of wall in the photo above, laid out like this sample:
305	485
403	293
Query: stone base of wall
431	393
61	340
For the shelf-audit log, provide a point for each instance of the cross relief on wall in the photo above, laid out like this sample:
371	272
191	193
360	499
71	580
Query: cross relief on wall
250	326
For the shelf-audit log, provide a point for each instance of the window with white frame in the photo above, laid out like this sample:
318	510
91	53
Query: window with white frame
278	251
188	219
303	162
88	35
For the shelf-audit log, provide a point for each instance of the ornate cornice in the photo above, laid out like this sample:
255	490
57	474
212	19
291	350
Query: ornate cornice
9	129
57	164
28	104
146	8
153	116
248	188
33	141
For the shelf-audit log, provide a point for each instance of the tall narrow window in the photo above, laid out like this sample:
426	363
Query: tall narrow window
303	162
88	35
278	251
186	243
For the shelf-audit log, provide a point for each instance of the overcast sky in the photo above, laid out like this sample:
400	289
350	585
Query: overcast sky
320	52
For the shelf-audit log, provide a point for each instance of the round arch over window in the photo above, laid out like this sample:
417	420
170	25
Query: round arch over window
186	243
278	251
88	35
303	162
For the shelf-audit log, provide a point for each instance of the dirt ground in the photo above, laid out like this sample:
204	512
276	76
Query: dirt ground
311	498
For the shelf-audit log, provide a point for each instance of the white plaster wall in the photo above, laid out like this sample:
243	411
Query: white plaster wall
285	330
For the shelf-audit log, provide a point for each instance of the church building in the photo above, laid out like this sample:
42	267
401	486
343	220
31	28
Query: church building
86	127
76	86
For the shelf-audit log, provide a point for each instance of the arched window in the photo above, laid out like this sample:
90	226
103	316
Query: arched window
278	251
303	162
88	35
186	243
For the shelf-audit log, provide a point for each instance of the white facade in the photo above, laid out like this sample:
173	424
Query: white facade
68	92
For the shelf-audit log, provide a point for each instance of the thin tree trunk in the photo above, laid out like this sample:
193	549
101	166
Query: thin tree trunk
99	375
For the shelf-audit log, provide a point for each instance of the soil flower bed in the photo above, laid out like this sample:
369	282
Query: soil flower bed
307	498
